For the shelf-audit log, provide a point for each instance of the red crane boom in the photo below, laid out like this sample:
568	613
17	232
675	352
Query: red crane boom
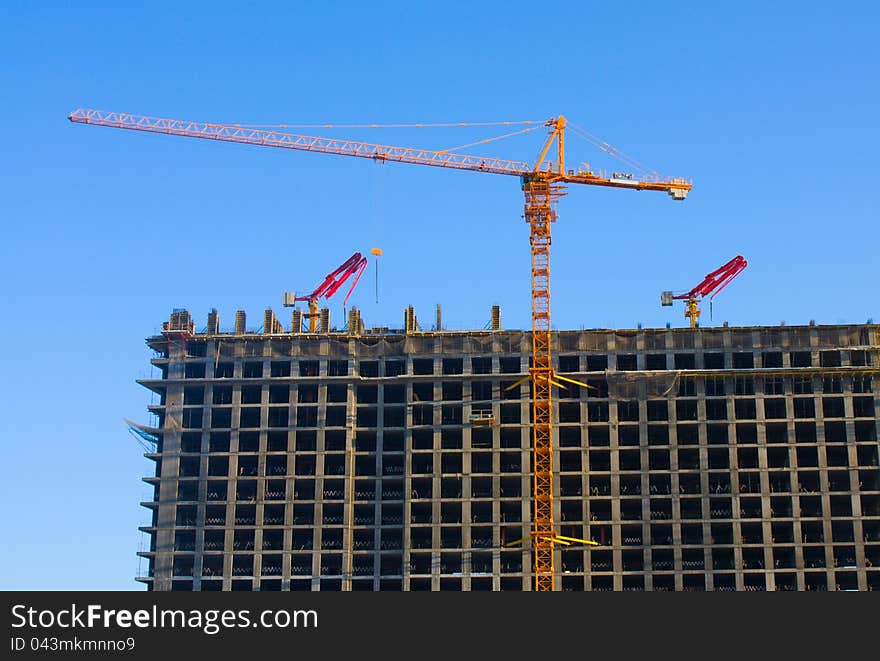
352	267
712	284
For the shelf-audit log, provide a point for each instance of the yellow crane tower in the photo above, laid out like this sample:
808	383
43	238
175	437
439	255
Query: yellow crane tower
543	183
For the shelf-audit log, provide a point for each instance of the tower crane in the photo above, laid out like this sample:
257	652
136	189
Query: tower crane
542	183
352	267
712	284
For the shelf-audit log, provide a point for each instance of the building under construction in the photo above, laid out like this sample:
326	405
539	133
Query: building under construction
380	459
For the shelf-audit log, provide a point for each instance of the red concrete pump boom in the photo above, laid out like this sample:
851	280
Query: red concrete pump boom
711	286
352	267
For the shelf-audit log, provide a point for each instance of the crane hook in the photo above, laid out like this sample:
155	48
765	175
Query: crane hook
378	253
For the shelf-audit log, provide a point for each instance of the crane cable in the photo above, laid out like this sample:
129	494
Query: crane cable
482	142
611	150
380	126
378	199
385	126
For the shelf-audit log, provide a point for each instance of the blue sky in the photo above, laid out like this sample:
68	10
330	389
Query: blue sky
771	111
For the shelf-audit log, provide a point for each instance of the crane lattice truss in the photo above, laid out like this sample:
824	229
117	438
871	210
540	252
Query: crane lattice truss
543	184
540	197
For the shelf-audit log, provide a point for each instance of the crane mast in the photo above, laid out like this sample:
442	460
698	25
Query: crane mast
542	185
540	196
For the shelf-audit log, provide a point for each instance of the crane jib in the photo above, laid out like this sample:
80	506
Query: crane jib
677	188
